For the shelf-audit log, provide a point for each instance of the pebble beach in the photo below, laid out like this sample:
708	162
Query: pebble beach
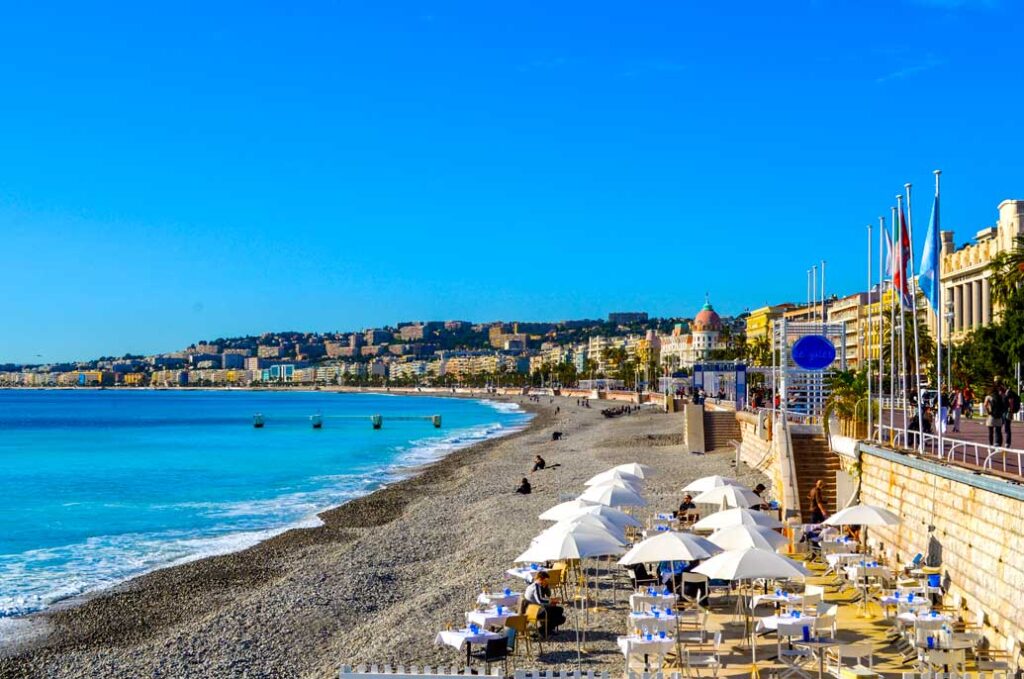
380	577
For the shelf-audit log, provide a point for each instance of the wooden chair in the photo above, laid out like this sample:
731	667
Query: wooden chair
521	627
538	623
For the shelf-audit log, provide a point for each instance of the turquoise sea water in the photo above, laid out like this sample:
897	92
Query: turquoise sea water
98	486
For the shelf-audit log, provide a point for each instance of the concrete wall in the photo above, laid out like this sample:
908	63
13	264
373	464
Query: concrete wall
973	524
755	443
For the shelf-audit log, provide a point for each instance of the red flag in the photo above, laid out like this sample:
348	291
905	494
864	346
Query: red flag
902	256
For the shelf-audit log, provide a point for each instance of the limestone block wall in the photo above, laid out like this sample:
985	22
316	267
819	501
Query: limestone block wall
754	448
972	524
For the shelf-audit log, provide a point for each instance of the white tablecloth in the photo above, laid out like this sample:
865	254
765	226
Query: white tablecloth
784	599
855	572
633	645
636	601
669	623
526	573
834	560
912	618
771	623
498	599
490	617
458	638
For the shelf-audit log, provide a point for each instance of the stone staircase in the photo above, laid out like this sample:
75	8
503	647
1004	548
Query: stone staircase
720	427
814	460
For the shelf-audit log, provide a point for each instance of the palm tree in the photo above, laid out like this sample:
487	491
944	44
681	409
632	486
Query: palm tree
1007	272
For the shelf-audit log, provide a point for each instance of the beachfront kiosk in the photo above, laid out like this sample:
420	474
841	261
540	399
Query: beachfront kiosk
729	377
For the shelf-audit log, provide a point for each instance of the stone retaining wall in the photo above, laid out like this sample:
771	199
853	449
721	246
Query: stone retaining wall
974	525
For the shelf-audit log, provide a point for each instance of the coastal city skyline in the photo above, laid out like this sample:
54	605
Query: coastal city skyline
460	162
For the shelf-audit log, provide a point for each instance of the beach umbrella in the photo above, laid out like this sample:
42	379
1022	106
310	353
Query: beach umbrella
566	510
863	515
574	508
620	483
708	482
670	546
733	496
738	516
613	496
636	469
570	543
750	564
591	521
614	475
742	537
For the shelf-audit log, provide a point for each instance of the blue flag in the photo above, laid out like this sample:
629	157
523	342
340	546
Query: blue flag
929	271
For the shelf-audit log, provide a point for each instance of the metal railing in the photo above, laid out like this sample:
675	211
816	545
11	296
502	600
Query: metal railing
1006	461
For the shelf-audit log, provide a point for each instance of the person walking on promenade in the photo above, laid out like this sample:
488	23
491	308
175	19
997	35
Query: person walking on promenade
994	411
817	498
1011	401
958	406
969	402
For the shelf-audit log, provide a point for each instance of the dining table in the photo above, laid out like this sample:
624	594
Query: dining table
464	639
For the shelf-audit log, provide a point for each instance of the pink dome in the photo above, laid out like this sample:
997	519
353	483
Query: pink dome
707	319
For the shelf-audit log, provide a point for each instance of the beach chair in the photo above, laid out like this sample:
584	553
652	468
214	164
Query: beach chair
709	658
521	634
699	586
810	601
556	581
792	658
825	620
537	623
857	653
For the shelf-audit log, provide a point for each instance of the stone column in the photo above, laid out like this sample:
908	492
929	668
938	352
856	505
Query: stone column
986	302
975	304
968	306
958	308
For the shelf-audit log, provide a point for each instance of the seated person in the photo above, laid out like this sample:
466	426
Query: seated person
687	506
539	594
538	463
524	487
759	490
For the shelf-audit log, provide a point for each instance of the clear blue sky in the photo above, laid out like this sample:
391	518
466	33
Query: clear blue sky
215	169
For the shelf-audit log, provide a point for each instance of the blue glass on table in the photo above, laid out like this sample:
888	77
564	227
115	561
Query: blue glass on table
533	566
661	634
474	628
807	633
657	614
796	614
910	597
508	592
931	642
499	609
649	637
668	611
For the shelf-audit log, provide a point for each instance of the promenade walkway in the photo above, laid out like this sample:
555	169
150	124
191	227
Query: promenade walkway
973	450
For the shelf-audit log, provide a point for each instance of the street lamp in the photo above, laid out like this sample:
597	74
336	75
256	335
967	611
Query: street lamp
949	341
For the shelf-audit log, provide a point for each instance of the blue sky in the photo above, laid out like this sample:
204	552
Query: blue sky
210	169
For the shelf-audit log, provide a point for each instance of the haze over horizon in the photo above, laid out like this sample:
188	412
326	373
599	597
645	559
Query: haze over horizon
229	170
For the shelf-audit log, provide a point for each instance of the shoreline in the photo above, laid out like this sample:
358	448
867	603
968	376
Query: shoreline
20	633
380	577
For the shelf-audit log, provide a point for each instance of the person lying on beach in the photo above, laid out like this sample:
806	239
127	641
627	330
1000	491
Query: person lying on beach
538	463
538	593
524	487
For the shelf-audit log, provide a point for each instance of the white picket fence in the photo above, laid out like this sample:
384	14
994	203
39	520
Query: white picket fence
427	672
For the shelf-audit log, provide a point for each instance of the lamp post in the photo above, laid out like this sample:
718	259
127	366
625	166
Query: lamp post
949	342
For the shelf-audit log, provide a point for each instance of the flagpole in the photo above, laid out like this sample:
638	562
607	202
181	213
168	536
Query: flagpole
913	307
893	366
902	263
937	240
881	295
867	345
